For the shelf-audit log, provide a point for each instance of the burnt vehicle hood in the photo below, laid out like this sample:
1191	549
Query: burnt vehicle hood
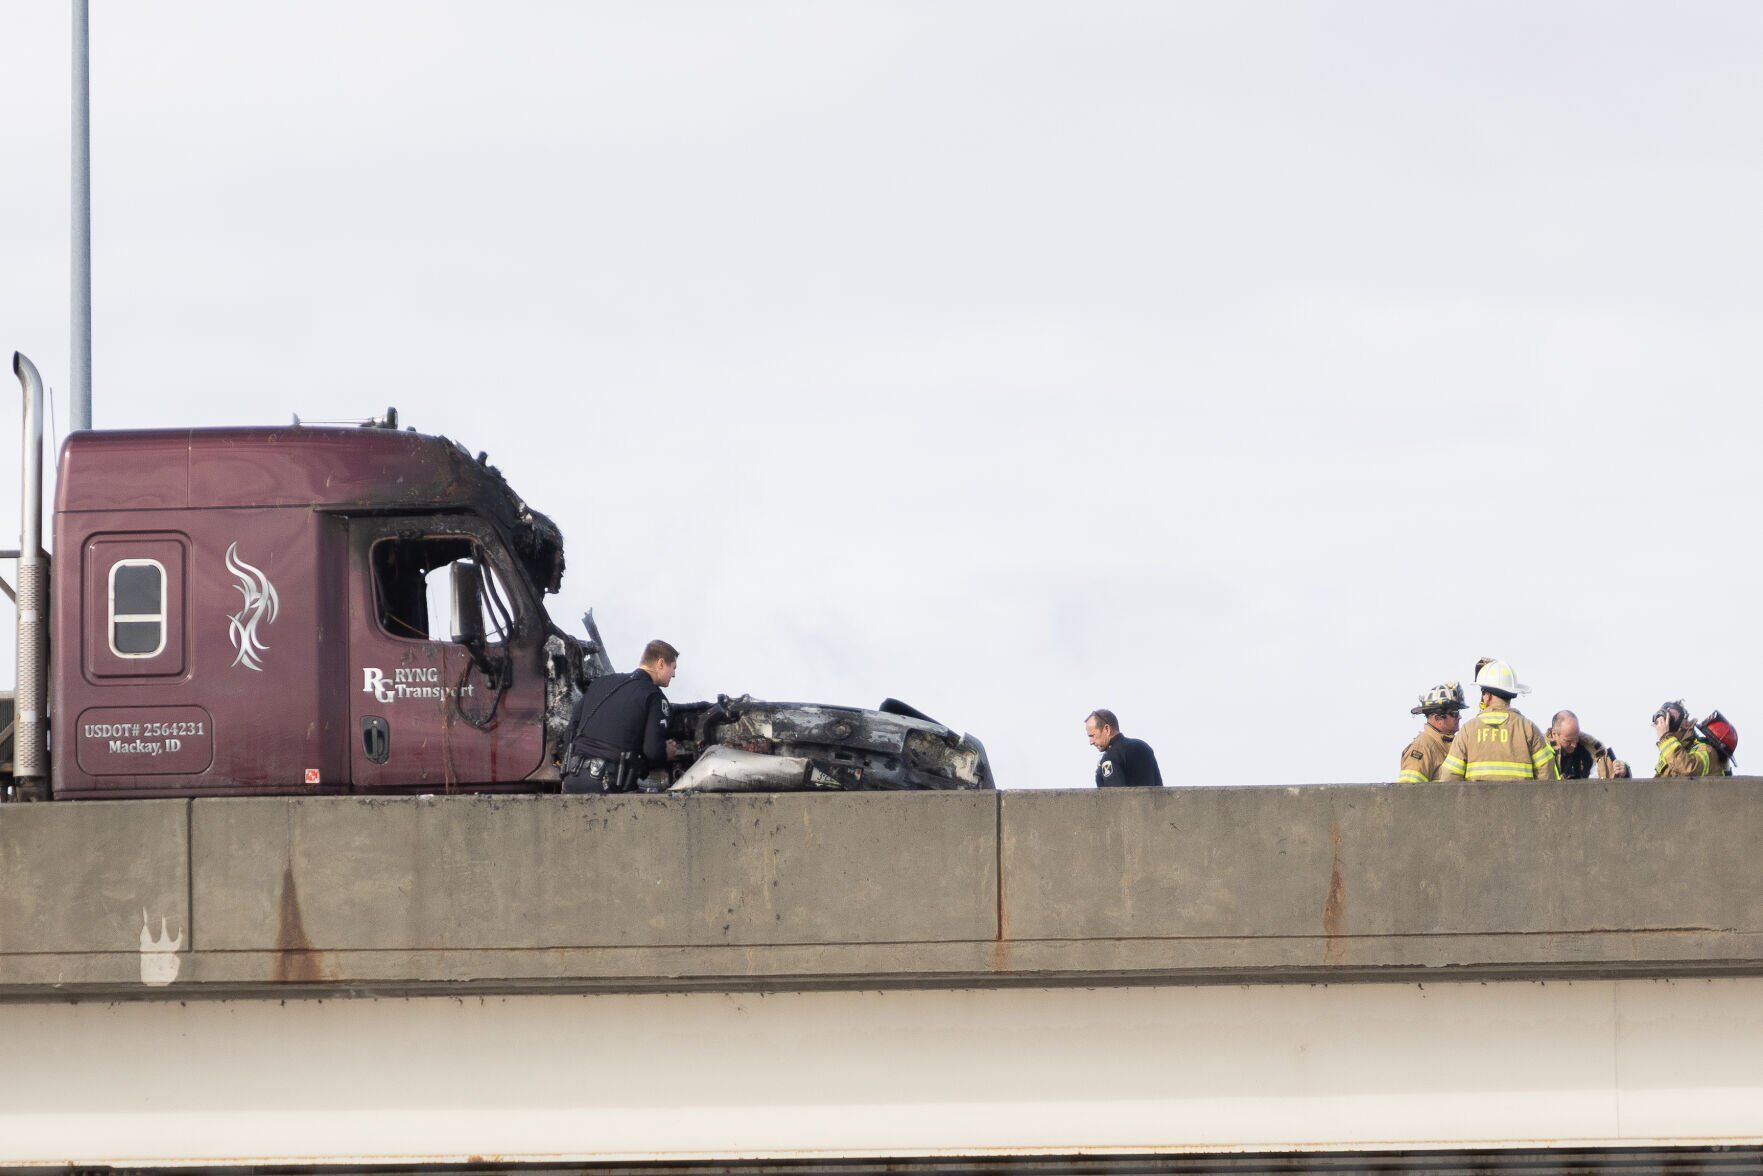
830	747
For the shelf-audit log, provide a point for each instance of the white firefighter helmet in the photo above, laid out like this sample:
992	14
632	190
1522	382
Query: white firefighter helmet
1498	676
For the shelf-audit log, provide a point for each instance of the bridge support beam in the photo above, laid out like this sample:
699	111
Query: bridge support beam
903	1073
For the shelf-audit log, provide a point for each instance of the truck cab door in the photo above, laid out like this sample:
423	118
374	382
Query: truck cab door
446	656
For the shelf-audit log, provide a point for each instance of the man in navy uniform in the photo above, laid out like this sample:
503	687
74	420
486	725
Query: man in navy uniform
618	732
1126	763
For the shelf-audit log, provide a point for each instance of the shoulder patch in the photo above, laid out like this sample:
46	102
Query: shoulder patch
1415	754
1107	767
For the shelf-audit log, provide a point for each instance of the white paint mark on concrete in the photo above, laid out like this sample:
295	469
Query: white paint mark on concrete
159	958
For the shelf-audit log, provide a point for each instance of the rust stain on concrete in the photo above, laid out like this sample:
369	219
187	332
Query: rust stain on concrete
1000	956
1334	909
296	961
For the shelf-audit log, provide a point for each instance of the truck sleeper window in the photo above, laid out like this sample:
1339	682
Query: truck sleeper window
137	608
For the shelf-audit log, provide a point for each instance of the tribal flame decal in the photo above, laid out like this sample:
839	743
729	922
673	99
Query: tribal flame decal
261	607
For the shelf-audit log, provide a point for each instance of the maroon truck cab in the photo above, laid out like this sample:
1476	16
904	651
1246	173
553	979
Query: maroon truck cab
299	609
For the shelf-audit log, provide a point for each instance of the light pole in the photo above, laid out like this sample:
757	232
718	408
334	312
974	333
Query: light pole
81	342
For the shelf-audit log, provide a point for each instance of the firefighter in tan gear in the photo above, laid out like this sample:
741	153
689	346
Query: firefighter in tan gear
1498	743
1689	748
1422	757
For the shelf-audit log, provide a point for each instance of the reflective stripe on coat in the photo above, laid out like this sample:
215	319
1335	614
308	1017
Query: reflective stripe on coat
1422	757
1499	744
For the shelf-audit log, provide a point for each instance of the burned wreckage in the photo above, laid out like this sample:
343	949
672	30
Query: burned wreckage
320	609
750	745
744	745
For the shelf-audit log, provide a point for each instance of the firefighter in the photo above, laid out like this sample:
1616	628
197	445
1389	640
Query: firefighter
1499	743
1125	763
1422	757
1578	755
618	731
1676	746
1689	748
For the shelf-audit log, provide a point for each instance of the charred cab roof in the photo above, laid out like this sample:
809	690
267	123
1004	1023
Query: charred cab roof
337	469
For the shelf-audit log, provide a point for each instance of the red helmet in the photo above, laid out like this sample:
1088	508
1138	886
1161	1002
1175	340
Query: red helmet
1716	729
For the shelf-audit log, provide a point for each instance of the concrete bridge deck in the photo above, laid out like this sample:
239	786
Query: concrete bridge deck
709	981
278	897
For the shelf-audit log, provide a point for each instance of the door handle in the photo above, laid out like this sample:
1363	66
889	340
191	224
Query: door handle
376	739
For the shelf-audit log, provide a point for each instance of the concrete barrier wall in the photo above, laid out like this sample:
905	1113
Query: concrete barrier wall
878	890
80	879
539	872
1520	859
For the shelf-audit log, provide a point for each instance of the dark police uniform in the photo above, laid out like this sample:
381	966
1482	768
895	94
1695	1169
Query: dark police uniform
617	715
1590	756
1128	763
1576	764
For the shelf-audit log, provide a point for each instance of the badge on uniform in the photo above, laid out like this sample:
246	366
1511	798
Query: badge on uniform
1107	767
1415	754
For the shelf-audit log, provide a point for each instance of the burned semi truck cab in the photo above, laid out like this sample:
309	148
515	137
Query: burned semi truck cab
300	609
275	611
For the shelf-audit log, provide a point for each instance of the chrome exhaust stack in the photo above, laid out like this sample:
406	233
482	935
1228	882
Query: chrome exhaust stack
30	757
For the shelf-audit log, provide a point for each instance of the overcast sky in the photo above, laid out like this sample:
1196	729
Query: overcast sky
1246	368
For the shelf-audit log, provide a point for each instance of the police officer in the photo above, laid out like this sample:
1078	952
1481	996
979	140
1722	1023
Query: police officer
1578	754
618	731
1126	763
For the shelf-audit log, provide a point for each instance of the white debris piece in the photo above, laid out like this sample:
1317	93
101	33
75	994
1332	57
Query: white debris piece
728	769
